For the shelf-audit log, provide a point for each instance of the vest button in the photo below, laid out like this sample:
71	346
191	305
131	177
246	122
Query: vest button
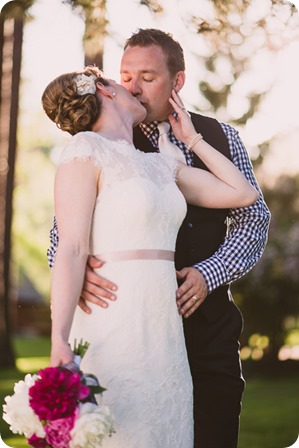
190	225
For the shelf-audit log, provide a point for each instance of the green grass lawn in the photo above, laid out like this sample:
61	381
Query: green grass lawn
270	415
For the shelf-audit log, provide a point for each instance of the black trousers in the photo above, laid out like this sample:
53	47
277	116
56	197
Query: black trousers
213	351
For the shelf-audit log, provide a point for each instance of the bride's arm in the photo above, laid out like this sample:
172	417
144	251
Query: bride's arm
224	186
74	197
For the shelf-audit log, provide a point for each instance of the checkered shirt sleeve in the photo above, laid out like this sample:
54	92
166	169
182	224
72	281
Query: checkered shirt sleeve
247	230
54	239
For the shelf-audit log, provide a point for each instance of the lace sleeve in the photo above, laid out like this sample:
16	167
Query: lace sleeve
172	164
81	146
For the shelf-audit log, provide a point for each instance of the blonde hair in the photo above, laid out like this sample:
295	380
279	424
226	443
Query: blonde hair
73	112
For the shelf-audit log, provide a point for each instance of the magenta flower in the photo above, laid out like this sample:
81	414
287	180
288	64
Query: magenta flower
58	432
37	442
56	393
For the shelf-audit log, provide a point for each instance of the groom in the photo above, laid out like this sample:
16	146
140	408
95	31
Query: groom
214	247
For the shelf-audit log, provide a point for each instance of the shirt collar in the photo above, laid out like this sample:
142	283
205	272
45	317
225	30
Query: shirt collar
149	128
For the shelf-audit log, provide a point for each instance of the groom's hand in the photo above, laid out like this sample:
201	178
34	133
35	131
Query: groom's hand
96	289
192	292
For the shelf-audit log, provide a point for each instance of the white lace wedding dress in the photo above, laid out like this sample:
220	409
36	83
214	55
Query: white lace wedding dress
137	347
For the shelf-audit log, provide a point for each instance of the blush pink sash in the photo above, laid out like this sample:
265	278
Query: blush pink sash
138	254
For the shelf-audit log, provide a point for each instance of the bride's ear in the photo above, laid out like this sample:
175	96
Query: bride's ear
105	90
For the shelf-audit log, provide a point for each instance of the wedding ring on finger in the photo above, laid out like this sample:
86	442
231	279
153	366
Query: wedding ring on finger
195	298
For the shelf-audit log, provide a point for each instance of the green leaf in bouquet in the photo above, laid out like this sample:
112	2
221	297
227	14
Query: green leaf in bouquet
81	348
97	389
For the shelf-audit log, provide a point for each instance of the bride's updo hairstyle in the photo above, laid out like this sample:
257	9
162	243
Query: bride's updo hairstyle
71	101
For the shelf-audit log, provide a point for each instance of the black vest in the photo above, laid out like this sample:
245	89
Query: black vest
203	230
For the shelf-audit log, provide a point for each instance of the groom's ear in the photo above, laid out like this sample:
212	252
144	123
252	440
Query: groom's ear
179	81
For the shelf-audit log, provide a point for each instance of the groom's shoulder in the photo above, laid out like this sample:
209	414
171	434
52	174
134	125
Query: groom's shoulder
204	119
210	124
212	131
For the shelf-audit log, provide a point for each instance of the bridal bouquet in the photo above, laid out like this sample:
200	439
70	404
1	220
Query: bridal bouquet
56	408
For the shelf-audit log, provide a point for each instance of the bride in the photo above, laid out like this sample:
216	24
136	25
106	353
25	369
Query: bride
125	206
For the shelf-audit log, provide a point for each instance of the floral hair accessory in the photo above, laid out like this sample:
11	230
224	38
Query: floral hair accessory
85	84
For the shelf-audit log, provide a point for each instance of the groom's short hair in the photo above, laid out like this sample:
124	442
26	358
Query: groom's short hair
170	47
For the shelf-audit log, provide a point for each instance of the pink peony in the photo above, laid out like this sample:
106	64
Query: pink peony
58	432
37	442
56	393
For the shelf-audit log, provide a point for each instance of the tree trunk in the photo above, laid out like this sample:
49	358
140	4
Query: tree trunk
94	35
11	36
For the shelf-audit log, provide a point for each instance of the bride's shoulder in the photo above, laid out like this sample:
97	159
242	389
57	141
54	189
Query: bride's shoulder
86	139
82	145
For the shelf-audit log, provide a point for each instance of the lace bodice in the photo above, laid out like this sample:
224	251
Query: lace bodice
138	190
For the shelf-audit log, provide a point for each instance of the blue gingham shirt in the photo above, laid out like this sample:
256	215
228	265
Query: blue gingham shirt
247	229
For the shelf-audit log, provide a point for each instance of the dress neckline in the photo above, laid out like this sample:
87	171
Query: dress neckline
117	140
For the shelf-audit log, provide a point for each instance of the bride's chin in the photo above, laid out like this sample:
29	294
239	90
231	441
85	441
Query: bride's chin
139	118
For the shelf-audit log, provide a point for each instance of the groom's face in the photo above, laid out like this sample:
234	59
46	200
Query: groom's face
145	74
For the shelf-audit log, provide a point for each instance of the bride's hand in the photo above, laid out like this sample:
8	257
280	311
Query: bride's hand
61	353
183	128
